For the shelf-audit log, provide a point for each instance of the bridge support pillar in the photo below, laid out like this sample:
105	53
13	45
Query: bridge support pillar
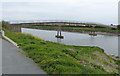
92	33
59	35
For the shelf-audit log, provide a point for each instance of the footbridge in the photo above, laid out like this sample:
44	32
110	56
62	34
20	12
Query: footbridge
57	23
16	26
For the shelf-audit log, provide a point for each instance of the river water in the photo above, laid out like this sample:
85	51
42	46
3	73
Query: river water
108	43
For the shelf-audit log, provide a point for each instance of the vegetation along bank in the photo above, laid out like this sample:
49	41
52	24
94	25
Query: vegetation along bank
81	29
56	58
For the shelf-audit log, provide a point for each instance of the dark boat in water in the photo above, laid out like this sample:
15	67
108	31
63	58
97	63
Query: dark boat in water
93	34
59	36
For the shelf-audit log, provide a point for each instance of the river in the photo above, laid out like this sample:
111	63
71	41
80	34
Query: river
108	43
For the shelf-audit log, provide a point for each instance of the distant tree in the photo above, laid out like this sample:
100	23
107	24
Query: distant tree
112	25
0	26
118	27
5	24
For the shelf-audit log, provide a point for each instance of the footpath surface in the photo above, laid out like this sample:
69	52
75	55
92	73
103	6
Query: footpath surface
13	62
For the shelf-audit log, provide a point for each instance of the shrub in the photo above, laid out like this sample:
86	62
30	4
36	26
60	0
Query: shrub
118	27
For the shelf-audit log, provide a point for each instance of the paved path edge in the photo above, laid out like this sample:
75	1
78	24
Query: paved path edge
11	41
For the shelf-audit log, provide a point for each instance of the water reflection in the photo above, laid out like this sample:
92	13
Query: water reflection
59	40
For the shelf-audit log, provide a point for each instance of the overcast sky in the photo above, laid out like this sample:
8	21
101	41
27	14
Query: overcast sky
98	11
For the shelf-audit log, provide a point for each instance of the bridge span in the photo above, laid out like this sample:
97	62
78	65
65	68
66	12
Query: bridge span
74	23
17	26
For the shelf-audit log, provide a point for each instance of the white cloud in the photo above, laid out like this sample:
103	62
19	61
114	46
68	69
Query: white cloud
102	11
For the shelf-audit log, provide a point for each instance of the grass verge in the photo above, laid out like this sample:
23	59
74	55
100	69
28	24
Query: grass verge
55	58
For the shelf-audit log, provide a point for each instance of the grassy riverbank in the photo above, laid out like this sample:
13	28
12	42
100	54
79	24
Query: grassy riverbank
75	28
57	58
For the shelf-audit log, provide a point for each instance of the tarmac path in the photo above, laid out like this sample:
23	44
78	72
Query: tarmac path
13	62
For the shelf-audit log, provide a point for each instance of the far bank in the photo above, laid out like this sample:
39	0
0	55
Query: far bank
79	29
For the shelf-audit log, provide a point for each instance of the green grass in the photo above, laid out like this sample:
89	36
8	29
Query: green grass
75	28
56	58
